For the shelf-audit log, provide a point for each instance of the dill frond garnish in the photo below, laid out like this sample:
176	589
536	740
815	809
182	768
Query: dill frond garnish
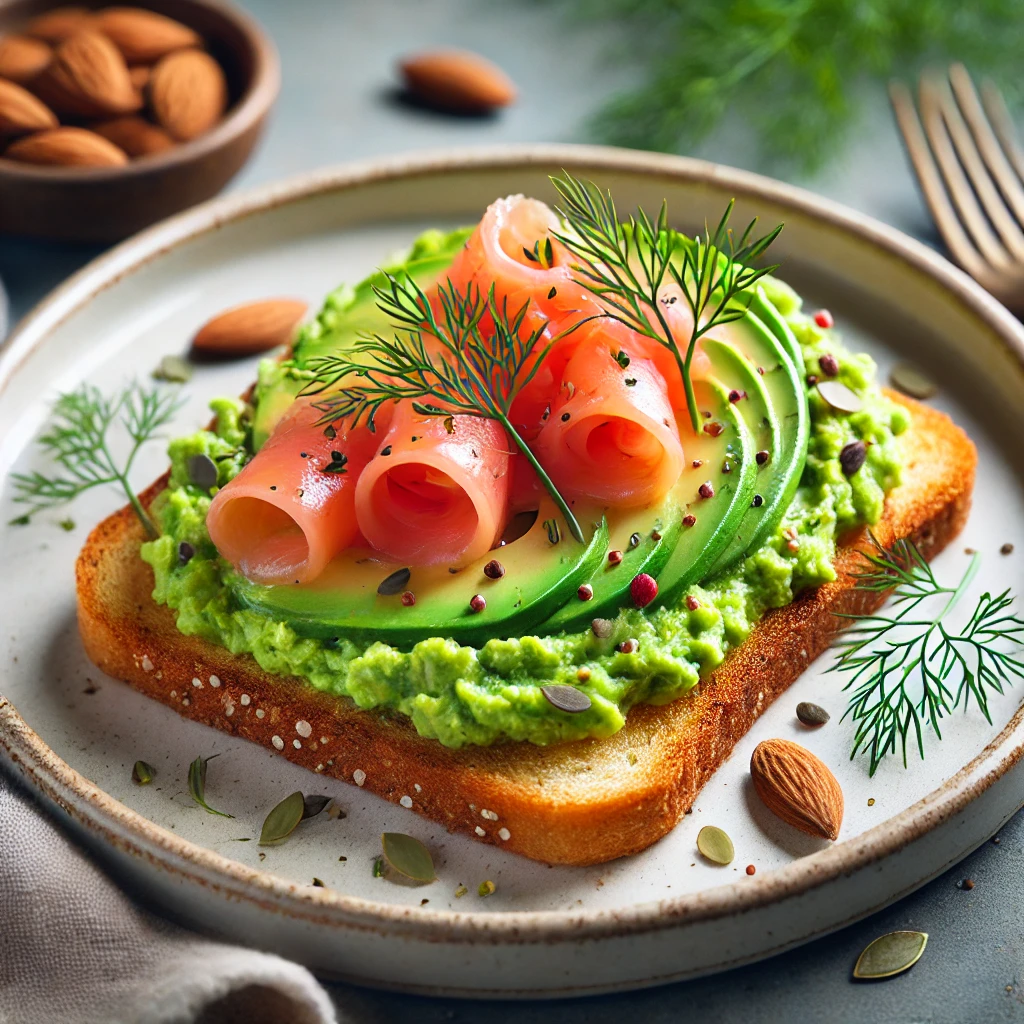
78	440
625	265
444	356
907	670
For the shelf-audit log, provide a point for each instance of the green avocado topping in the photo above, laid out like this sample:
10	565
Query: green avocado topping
459	693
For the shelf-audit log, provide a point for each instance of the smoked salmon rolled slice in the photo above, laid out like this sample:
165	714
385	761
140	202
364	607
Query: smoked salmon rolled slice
292	508
612	434
497	250
437	490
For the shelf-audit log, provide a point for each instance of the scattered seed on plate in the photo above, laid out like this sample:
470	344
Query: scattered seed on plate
1006	549
173	369
811	714
715	845
486	888
142	773
911	381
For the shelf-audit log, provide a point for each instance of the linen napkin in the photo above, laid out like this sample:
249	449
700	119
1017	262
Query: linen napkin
75	950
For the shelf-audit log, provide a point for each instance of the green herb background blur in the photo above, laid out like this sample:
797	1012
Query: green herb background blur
789	75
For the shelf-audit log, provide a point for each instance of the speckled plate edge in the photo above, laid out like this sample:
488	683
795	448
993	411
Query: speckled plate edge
113	822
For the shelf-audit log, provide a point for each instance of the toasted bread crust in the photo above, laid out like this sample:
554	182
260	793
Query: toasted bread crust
576	803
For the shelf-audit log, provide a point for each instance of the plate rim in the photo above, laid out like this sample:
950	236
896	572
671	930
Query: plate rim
143	837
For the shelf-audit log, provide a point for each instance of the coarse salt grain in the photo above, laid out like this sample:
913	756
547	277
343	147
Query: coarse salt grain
185	701
147	665
297	744
406	801
278	742
229	710
504	834
417	787
174	693
359	776
244	700
215	681
479	831
303	728
323	741
260	712
197	682
489	815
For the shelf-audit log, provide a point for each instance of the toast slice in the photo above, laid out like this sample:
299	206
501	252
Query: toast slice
577	803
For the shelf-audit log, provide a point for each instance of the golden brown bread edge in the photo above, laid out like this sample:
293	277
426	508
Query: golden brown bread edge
576	803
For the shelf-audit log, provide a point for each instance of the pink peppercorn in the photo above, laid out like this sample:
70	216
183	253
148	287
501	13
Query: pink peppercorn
692	603
585	592
630	646
823	318
643	589
614	557
689	519
408	599
477	603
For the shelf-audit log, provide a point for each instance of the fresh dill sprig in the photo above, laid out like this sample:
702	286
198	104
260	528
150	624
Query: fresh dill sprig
444	356
908	670
626	264
78	440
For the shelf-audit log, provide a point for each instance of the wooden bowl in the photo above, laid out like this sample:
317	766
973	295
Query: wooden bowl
108	204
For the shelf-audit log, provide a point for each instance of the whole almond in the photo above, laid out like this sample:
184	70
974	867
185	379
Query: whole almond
88	78
143	36
21	112
249	329
135	135
22	57
457	80
66	147
58	23
798	787
188	93
139	76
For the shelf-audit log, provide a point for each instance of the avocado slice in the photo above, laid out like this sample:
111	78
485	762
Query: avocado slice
764	309
724	453
778	477
646	538
542	569
349	314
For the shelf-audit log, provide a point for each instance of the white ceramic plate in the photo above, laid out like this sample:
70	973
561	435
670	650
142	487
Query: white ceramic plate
659	916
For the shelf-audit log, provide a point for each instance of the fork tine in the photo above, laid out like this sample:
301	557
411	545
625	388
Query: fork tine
928	177
993	156
958	188
999	116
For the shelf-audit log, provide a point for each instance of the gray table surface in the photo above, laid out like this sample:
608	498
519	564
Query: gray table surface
337	104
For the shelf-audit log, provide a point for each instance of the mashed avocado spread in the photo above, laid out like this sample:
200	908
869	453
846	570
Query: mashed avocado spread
460	694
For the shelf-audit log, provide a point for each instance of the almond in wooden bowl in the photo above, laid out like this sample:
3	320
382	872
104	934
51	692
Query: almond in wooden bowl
135	135
457	80
106	203
57	23
21	112
143	36
67	147
88	77
22	57
188	93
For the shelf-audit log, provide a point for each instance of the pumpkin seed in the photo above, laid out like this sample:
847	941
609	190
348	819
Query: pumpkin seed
173	369
839	396
811	714
395	583
281	821
407	856
566	698
378	866
911	381
460	892
313	804
890	954
142	773
202	471
486	888
715	844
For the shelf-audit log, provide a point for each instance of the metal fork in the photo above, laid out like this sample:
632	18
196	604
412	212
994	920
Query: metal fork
971	171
